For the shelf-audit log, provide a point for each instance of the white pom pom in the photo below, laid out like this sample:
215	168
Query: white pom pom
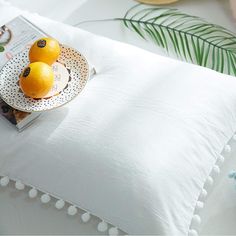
4	181
216	169
72	210
19	185
85	217
210	180
196	220
221	159
203	194
59	204
45	198
33	193
113	231
199	205
102	226
193	232
227	148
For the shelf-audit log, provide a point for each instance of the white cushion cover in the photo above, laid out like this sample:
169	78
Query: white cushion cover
136	146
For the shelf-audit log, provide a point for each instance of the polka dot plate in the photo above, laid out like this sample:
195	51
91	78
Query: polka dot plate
71	72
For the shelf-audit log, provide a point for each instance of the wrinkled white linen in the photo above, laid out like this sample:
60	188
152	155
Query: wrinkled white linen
136	146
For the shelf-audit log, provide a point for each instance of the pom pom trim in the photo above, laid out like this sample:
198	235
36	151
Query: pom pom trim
103	226
196	219
59	204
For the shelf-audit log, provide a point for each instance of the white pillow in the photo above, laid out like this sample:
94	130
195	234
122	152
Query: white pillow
139	143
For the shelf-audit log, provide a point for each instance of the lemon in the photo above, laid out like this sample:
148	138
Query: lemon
45	50
36	80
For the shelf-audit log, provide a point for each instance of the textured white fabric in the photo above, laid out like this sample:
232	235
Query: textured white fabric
137	145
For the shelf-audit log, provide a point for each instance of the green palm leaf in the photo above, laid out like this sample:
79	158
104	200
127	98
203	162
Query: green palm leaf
190	37
1	48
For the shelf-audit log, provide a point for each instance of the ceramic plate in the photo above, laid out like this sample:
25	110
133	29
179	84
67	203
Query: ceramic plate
71	72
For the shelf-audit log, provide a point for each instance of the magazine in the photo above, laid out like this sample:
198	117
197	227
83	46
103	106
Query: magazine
16	36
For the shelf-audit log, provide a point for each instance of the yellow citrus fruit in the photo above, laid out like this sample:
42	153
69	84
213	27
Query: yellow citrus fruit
36	80
46	50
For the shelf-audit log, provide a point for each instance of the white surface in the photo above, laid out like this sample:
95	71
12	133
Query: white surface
219	212
57	10
215	11
130	135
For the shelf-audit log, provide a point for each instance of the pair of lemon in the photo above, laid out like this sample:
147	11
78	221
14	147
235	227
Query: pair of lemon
37	78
